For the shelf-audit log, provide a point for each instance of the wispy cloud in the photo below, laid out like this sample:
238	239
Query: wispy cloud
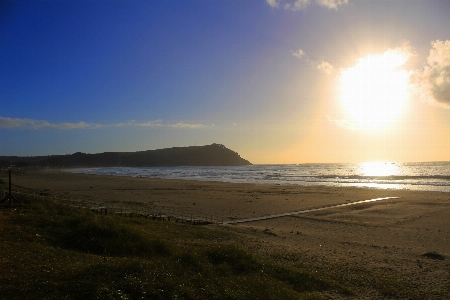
331	4
186	125
296	5
301	4
298	53
432	83
154	123
30	124
273	3
351	125
41	124
323	66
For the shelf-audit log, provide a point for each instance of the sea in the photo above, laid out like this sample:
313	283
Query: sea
416	176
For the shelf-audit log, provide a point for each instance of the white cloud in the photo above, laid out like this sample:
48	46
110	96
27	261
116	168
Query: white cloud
29	124
154	123
298	53
331	4
296	5
41	124
343	123
186	125
325	67
272	3
432	83
301	4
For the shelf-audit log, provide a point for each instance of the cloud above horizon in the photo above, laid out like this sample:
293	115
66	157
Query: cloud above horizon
298	53
30	124
323	66
347	124
432	83
301	4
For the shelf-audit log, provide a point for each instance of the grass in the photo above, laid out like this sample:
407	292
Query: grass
53	251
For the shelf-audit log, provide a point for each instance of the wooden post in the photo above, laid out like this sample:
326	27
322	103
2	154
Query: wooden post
10	196
10	189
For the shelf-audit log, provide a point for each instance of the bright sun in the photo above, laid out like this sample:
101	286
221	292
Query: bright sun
374	91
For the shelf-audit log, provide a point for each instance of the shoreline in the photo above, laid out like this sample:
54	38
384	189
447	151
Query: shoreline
258	174
222	199
391	237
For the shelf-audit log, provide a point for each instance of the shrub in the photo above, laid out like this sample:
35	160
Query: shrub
237	259
77	229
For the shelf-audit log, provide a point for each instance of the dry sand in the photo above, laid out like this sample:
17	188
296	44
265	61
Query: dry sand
388	237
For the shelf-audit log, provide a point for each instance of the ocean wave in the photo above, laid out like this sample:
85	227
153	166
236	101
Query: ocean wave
413	176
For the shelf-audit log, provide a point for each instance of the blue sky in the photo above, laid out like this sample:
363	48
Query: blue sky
261	77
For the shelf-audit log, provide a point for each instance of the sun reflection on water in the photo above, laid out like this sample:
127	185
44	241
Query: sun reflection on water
379	169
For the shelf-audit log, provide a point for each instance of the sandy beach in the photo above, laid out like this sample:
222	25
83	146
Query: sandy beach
407	237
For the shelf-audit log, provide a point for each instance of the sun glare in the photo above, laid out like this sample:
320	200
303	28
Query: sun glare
374	91
379	169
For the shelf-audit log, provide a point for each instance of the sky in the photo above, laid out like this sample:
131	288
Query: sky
278	81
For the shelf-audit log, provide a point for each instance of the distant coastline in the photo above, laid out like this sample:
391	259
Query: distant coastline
209	155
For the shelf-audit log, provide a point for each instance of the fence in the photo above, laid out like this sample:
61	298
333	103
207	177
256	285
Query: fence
106	207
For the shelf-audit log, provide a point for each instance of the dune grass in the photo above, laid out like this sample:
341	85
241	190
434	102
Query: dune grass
54	251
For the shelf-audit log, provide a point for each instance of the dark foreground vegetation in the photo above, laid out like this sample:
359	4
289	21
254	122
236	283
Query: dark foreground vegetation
53	251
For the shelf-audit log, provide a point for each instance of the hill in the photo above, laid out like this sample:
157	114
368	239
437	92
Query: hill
209	155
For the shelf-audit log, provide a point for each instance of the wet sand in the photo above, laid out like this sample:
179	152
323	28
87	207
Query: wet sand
389	237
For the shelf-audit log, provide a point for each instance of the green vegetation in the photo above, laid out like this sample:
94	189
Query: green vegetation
54	251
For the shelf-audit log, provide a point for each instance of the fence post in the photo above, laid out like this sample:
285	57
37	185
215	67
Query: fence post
10	189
